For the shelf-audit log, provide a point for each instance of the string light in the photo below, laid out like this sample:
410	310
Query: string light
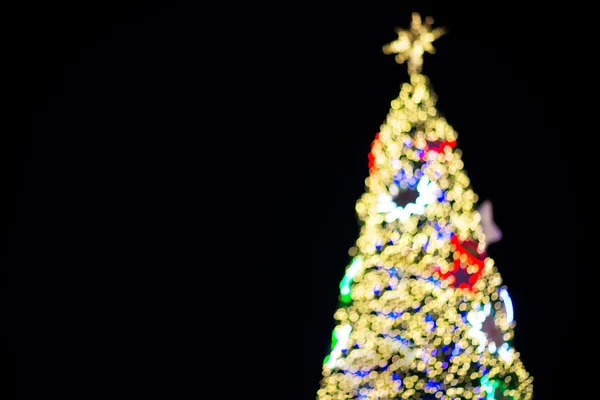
423	313
508	304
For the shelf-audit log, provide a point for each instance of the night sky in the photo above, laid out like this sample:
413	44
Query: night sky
182	183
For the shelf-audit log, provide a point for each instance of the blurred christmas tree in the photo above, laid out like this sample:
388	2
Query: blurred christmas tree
423	314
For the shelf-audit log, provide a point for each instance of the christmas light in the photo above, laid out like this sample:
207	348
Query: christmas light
345	285
427	193
423	313
341	335
508	304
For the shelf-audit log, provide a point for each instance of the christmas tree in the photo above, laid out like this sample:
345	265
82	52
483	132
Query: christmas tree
424	313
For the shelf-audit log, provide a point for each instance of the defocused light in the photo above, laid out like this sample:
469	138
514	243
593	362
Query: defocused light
341	336
508	304
421	303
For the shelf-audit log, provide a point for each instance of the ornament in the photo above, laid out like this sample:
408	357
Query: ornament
435	147
376	142
408	195
464	274
490	229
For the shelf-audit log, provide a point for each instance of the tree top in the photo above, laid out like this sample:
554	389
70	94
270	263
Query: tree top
414	42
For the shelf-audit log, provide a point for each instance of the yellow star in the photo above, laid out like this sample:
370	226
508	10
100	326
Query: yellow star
413	43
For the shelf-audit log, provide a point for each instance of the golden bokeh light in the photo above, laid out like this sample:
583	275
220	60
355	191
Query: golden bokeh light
423	311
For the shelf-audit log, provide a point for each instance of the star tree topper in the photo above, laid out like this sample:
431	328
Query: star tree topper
414	42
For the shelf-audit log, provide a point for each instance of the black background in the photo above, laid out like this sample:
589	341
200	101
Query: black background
182	179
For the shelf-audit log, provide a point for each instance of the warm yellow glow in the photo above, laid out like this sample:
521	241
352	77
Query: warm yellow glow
414	330
413	43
